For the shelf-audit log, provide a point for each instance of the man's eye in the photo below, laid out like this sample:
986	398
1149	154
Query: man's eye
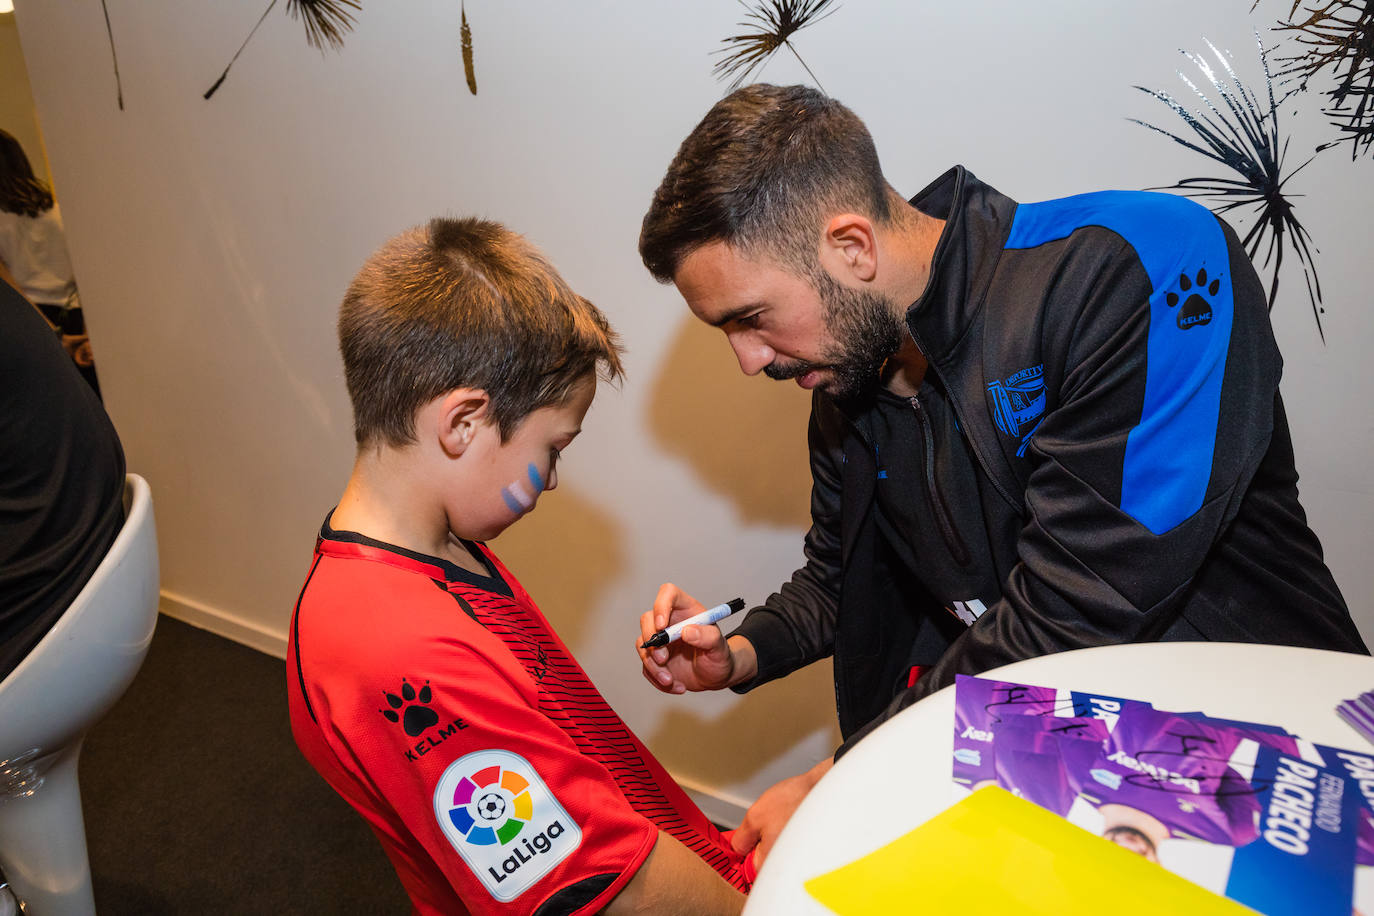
749	321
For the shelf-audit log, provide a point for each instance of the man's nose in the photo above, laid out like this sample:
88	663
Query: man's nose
753	355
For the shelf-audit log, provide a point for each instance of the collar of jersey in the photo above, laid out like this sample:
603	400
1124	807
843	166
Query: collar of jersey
351	544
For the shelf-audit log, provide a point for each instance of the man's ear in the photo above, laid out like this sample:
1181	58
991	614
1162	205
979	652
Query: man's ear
456	417
849	247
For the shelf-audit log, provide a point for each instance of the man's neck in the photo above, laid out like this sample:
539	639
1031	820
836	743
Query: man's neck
910	253
904	370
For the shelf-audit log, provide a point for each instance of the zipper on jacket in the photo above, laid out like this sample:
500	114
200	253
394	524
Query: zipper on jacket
934	498
963	424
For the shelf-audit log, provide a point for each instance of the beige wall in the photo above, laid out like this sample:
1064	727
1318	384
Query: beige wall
214	238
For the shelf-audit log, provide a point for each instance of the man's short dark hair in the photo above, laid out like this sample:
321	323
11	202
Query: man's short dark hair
759	173
464	303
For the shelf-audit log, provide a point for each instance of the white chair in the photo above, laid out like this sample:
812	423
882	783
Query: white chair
61	688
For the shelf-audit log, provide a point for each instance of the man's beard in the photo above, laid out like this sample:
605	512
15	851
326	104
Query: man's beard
863	334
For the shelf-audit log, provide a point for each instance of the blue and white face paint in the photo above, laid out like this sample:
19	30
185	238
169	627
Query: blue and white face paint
520	495
529	455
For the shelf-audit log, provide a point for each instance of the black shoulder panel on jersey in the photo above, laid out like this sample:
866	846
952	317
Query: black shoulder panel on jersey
572	898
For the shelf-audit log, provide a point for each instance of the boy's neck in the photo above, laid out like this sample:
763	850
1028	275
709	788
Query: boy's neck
382	502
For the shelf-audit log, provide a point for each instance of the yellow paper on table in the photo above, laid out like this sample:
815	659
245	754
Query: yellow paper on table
994	853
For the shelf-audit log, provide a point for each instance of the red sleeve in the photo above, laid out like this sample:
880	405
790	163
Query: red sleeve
497	794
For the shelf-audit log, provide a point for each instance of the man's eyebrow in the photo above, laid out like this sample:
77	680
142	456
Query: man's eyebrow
733	315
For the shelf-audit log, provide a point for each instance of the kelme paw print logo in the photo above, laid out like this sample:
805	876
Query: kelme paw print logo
411	708
1197	310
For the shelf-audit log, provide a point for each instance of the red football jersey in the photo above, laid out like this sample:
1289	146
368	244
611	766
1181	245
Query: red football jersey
442	706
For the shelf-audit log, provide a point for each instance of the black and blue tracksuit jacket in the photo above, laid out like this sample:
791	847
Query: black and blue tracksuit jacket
1112	372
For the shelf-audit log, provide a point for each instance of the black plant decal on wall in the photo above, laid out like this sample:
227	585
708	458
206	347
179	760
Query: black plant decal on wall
1336	36
1243	135
326	23
465	34
772	24
114	55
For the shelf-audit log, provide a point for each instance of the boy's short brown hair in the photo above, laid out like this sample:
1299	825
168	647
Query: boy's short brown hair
464	303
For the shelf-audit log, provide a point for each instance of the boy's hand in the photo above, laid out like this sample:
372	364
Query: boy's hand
701	660
766	817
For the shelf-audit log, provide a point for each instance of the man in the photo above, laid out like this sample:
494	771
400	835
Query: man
1034	427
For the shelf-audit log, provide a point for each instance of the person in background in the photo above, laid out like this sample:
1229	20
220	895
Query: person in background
61	479
1034	427
424	683
33	249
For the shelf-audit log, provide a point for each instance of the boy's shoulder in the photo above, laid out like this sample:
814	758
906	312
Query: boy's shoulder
361	599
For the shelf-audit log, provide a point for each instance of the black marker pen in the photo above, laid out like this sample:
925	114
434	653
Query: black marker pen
719	612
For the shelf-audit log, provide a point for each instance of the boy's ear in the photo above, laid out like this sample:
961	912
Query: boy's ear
459	415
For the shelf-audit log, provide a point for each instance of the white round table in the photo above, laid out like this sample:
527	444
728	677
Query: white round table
899	776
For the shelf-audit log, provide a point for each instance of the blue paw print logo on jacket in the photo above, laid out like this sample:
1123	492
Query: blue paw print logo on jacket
1197	308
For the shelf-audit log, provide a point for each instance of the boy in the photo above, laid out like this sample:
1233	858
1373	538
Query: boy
424	684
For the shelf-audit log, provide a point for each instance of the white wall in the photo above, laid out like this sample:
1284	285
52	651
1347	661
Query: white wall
213	240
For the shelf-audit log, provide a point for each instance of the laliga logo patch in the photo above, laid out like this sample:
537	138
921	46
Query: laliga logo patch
502	819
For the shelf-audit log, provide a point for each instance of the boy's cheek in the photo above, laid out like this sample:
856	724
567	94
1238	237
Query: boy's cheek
518	497
520	494
539	482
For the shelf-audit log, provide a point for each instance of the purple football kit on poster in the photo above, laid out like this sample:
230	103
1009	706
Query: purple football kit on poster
1042	759
981	705
1181	772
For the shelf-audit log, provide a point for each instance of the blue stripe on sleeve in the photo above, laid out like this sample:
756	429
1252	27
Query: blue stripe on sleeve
1169	452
